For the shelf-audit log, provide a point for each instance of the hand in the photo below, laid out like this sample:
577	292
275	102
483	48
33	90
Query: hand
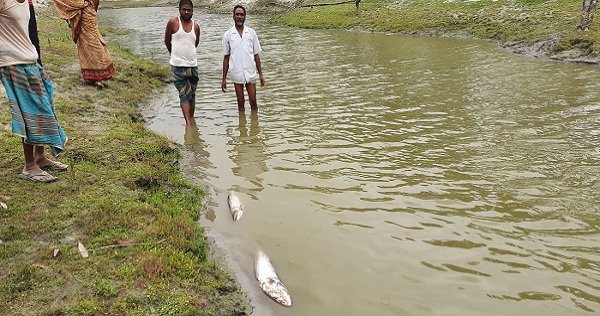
262	80
223	85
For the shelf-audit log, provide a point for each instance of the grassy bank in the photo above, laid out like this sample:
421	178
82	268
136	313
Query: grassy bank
215	6
537	28
125	199
543	28
139	3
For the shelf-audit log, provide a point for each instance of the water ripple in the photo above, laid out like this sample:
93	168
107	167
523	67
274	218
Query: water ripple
465	166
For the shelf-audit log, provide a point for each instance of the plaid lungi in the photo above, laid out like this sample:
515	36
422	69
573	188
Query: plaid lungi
186	81
30	93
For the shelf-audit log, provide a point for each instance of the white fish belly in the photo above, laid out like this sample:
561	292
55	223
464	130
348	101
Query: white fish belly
235	206
269	281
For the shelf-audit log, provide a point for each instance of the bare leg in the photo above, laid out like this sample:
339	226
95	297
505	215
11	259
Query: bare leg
38	155
192	108
29	152
193	101
188	115
43	162
239	93
251	88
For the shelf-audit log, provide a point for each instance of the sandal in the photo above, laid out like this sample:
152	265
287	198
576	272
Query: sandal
98	84
35	176
54	165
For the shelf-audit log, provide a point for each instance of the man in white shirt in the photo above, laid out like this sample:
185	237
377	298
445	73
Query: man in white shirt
241	49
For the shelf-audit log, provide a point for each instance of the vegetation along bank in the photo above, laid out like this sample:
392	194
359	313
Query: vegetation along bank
536	28
125	199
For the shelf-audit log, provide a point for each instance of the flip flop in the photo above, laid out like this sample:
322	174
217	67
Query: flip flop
43	176
54	165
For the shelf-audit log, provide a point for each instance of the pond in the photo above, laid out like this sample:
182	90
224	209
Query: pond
394	175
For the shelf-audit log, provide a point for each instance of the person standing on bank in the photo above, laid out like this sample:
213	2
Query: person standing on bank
94	58
241	49
181	38
29	93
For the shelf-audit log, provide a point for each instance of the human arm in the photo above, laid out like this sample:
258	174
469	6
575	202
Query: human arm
257	49
168	34
259	68
197	30
226	55
225	70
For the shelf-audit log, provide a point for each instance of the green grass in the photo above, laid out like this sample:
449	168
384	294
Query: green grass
124	198
525	21
138	3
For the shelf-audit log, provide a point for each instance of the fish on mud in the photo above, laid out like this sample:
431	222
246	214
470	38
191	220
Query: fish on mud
235	206
269	281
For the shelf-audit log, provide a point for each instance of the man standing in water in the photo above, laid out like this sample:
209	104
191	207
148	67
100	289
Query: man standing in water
181	38
241	49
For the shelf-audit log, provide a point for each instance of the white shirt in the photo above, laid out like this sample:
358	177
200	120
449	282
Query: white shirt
241	51
183	47
15	46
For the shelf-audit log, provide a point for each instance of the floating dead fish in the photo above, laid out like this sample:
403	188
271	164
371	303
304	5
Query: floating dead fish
82	250
55	252
235	206
269	281
3	205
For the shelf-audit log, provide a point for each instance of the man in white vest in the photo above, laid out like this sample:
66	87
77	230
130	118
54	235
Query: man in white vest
181	38
241	49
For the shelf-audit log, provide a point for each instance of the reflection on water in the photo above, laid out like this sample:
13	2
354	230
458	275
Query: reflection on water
389	175
248	153
196	147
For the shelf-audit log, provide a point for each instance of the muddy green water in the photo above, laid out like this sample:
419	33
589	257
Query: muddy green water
392	175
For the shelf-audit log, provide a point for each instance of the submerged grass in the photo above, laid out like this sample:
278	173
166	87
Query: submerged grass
124	198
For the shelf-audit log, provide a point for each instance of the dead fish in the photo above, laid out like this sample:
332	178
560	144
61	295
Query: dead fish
269	281
235	206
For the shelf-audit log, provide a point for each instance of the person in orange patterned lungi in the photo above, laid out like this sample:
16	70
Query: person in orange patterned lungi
94	59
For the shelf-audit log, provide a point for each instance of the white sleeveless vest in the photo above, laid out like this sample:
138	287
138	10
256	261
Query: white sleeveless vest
183	47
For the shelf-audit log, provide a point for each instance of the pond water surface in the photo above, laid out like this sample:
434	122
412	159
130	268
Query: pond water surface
393	175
